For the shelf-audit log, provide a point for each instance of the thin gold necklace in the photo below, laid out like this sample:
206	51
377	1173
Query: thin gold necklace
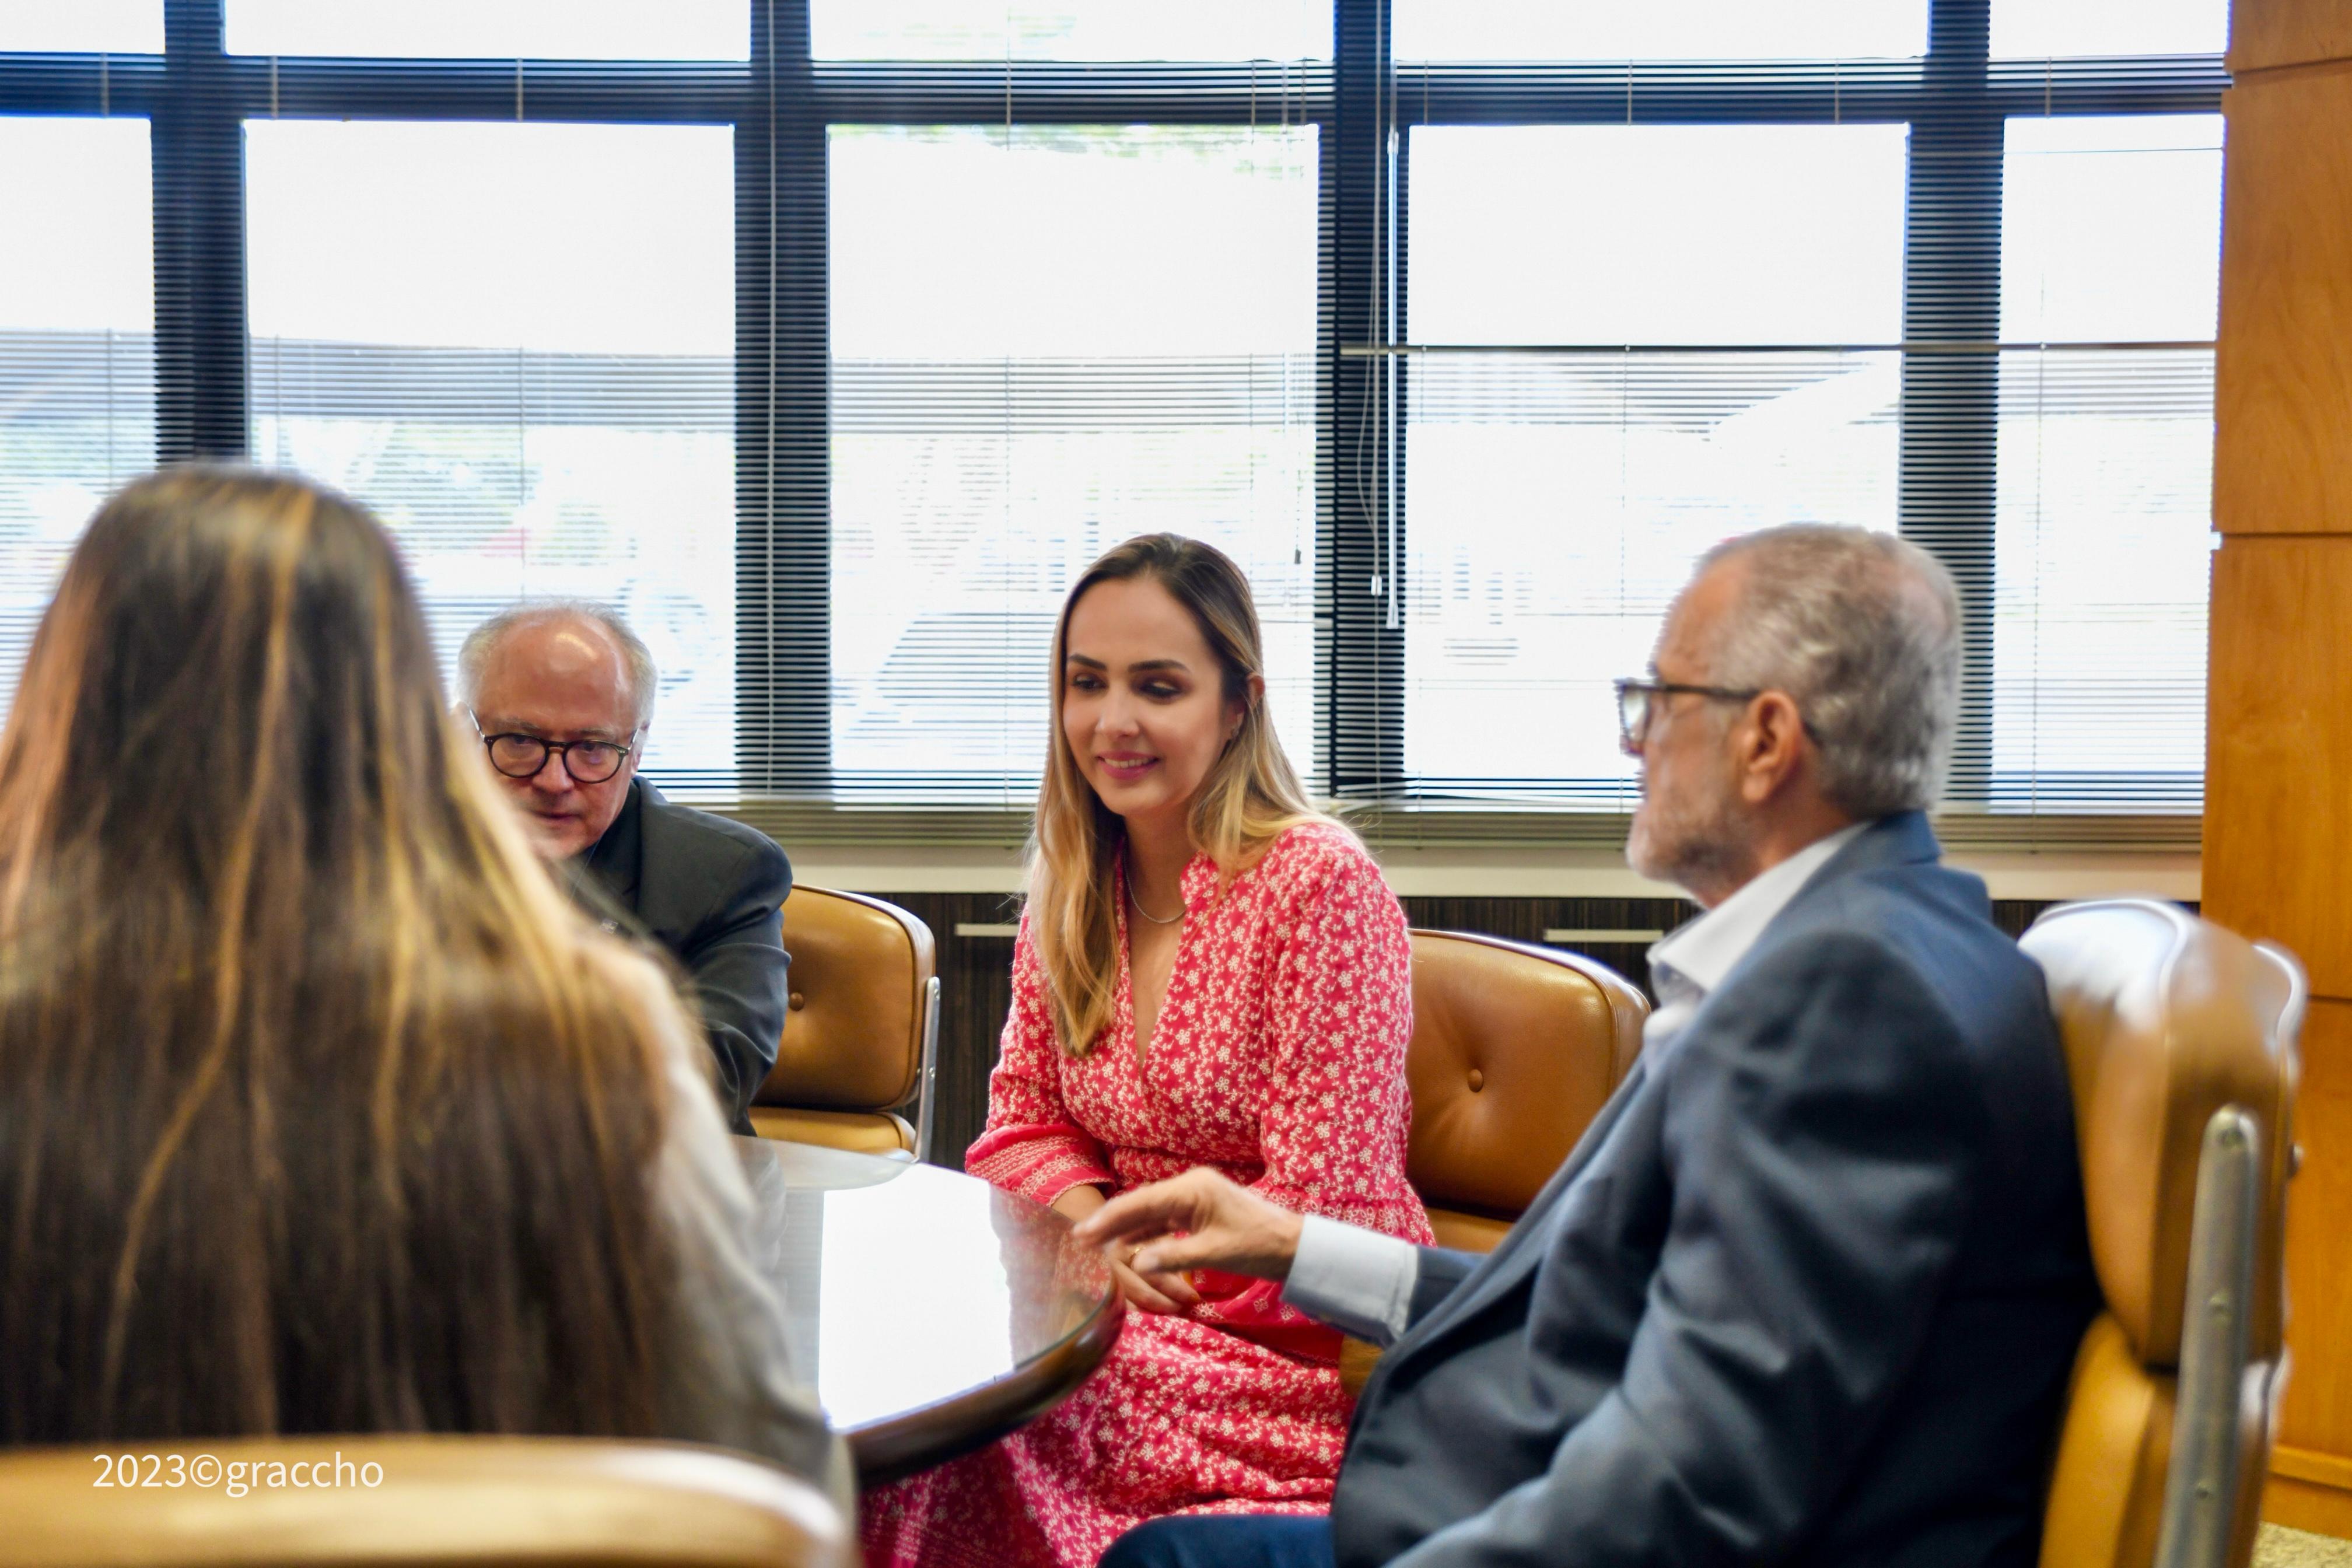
1137	903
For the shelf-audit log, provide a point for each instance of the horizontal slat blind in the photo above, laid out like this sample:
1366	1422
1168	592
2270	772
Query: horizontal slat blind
2111	235
492	29
1046	340
1070	30
117	27
1954	304
533	387
77	347
1554	500
829	338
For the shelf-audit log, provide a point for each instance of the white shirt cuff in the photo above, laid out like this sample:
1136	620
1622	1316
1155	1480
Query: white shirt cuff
1356	1281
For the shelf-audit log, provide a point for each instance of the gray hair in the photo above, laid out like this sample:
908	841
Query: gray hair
1862	630
474	654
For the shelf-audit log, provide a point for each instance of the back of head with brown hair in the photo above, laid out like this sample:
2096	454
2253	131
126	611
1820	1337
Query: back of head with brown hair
320	1109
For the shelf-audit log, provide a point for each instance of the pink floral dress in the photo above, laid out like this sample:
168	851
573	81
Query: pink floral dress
1277	1058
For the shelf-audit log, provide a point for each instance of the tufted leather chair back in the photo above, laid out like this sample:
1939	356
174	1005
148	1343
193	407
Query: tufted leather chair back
1515	1049
438	1502
2166	1019
861	1022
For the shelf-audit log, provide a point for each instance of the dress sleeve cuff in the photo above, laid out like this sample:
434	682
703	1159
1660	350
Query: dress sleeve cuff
1356	1280
1040	1170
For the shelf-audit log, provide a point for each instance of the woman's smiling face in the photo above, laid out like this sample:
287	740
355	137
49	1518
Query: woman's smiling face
1143	706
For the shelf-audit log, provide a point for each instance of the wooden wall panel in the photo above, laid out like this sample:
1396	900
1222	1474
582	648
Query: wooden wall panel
2283	384
2278	793
2299	1504
2264	33
2318	1419
2278	778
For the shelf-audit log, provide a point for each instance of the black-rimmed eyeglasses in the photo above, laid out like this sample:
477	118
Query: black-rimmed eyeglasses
1637	701
522	756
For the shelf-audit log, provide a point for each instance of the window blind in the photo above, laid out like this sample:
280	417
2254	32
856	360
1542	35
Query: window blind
1640	341
1046	340
1083	308
76	348
492	29
829	338
531	382
2103	520
1650	304
116	26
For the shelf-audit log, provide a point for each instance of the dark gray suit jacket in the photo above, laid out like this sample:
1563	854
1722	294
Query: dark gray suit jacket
1807	1290
712	891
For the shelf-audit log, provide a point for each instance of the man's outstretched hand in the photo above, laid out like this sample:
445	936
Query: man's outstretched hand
1224	1227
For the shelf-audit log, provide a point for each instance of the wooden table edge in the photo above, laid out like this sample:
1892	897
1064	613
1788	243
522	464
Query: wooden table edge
898	1445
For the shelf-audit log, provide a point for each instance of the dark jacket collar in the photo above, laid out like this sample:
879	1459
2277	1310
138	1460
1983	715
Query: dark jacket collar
1892	843
1902	839
617	860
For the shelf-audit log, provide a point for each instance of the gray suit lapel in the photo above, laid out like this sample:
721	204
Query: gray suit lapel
1900	839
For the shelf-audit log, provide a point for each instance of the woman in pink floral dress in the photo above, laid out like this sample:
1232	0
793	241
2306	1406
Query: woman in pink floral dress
1209	972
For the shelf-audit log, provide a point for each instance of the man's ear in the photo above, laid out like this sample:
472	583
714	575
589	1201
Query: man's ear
1771	745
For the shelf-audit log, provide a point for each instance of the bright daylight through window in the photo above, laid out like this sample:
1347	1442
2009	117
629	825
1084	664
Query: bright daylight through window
534	388
1003	412
1555	499
77	349
830	341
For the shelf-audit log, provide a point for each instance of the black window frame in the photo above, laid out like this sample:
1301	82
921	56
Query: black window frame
780	102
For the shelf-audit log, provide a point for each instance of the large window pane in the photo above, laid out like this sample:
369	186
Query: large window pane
516	343
1659	29
495	29
2111	237
112	26
1556	500
1070	30
2036	28
1046	341
76	348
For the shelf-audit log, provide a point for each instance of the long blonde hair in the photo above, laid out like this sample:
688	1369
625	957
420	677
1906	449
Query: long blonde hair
323	1110
1250	795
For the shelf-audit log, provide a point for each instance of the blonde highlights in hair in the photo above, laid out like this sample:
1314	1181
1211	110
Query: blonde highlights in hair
325	1110
1250	796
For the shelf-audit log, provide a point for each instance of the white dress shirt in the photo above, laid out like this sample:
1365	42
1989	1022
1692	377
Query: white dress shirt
1361	1282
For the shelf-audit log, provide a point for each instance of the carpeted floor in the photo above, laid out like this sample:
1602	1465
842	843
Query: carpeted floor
2279	1547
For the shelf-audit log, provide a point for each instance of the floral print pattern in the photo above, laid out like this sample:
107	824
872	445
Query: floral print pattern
1277	1058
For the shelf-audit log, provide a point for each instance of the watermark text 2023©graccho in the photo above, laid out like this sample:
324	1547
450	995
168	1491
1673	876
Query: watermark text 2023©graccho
235	1477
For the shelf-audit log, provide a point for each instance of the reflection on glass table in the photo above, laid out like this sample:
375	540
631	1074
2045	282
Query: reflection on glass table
938	1312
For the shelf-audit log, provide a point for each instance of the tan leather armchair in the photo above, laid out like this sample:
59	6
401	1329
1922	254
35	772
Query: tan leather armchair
438	1502
1515	1049
2180	1043
861	1037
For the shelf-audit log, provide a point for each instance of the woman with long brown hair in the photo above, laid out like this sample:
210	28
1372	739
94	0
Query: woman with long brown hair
320	1108
1209	971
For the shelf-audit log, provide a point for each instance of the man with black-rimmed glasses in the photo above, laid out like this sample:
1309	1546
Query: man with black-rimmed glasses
1810	1287
562	693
